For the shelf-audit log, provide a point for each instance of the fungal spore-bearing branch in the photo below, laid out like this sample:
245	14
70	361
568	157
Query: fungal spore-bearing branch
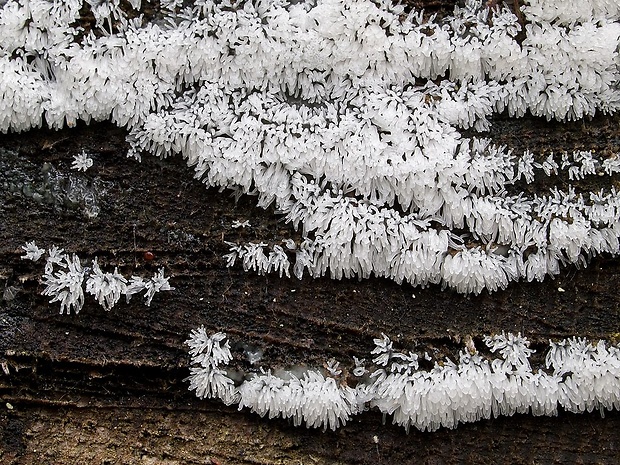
347	115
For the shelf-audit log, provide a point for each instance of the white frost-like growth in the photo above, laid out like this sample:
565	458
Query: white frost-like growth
253	258
32	251
107	288
151	286
207	379
81	161
579	376
314	399
65	285
346	115
64	278
571	11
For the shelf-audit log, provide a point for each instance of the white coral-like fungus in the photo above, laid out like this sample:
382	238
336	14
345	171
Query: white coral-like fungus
580	376
347	117
208	350
313	399
157	283
82	161
65	285
208	380
212	382
107	288
32	251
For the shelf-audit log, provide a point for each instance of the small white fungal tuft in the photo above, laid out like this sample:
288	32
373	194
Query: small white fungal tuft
33	252
82	161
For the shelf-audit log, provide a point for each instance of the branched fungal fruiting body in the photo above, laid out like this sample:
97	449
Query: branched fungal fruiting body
64	278
579	376
321	109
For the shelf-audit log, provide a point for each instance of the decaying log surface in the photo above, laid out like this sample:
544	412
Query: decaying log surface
108	387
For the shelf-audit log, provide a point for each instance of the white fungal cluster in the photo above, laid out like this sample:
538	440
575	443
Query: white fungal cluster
254	258
579	376
346	115
208	379
64	279
81	161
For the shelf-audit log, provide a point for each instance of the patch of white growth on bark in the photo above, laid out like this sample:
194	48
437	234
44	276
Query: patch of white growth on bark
65	275
347	116
578	376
